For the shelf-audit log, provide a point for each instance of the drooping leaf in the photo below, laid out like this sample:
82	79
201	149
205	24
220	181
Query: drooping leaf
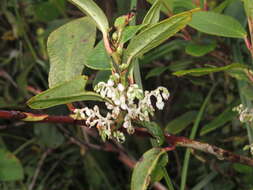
155	130
199	50
98	59
180	123
90	8
205	71
10	167
154	35
153	14
68	47
64	93
141	176
219	121
217	24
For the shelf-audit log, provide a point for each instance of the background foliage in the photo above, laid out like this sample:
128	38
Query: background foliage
204	71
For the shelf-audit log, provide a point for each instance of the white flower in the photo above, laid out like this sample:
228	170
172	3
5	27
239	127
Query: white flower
131	100
110	83
160	105
121	88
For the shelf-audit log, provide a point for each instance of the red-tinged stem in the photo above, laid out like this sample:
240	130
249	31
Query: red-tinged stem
107	44
174	141
220	153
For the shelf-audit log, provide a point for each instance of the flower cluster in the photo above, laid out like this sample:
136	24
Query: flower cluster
249	147
129	103
245	114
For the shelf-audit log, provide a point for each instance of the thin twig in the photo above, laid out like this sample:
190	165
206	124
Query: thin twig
171	139
37	171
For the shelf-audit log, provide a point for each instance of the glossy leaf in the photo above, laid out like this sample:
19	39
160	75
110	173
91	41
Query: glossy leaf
153	14
217	24
180	123
205	71
10	167
98	58
68	47
144	168
154	35
219	121
90	8
63	93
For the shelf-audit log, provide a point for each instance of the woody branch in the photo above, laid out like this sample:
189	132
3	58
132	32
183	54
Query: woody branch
174	141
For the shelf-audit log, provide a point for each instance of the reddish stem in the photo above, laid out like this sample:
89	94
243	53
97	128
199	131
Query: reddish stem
171	139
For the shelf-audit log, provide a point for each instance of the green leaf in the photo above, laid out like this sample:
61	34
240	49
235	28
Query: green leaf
180	123
239	74
10	167
154	35
68	47
129	32
247	91
162	50
48	135
248	6
199	50
98	58
219	121
222	6
101	76
156	72
144	168
205	71
158	173
217	24
167	6
155	130
47	11
90	8
96	172
66	92
182	5
243	168
153	14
